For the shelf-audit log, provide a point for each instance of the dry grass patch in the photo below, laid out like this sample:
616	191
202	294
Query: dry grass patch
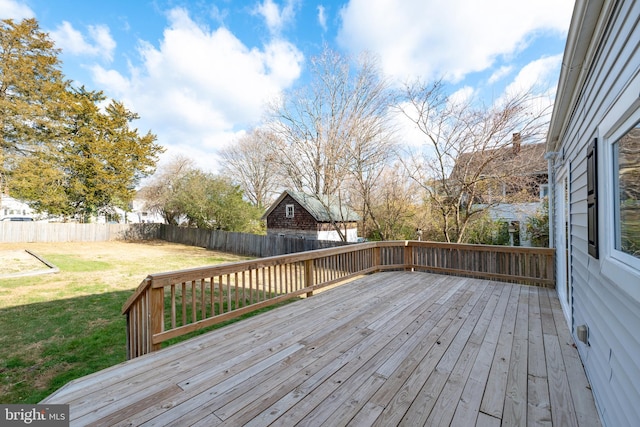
15	261
58	327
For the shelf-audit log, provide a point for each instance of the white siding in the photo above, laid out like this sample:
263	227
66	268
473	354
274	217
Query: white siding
332	235
612	360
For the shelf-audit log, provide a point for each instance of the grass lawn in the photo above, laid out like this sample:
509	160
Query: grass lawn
57	327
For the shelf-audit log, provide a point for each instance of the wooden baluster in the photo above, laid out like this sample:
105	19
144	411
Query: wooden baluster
156	318
250	272
173	306
220	295
183	301
203	305
194	299
212	297
309	276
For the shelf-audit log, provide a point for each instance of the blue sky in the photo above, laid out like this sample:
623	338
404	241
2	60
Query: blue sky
200	72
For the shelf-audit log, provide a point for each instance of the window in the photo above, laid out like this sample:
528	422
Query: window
544	191
619	160
289	211
626	187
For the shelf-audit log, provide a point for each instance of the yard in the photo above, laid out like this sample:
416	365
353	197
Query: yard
57	327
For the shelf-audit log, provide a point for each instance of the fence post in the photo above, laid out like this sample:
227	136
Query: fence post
156	315
308	276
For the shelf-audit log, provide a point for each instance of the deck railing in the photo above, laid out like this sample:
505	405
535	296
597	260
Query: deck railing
169	305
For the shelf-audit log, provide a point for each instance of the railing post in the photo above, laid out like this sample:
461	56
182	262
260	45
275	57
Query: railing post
308	276
551	264
156	315
377	259
408	256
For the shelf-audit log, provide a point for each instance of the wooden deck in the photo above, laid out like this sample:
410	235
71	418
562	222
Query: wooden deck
392	348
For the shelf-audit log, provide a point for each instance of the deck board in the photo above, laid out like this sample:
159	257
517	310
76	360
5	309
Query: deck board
394	348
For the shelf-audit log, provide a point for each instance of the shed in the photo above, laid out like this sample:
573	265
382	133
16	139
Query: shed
301	215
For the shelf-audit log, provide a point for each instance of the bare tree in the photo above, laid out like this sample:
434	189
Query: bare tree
472	153
160	193
249	163
334	135
393	205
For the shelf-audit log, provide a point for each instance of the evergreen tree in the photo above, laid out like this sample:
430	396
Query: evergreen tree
62	152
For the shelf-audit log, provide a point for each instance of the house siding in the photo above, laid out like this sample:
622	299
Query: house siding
599	300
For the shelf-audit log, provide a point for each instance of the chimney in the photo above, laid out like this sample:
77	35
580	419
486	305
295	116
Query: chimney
516	143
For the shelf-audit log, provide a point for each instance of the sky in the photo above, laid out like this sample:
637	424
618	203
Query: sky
200	72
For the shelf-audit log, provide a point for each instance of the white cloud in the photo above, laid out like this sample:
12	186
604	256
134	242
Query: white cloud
276	17
217	14
432	38
10	9
408	134
538	76
322	17
103	40
74	42
200	87
537	79
462	96
500	73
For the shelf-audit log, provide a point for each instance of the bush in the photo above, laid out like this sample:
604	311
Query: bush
486	231
538	226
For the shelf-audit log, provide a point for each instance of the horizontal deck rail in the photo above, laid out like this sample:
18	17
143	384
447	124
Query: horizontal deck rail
172	304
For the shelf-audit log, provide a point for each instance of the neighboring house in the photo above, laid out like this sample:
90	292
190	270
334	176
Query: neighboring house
594	152
514	181
139	214
301	215
14	208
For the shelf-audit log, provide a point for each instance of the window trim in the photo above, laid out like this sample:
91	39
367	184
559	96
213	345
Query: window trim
612	130
633	121
289	211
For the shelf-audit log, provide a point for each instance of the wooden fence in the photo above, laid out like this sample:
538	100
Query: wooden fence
238	243
46	232
242	243
168	305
